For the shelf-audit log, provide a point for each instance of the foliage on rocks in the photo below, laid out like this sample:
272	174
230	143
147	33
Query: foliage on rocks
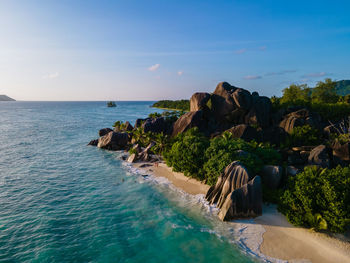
303	136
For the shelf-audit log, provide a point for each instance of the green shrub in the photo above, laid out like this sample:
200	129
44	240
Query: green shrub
303	136
318	198
187	153
224	149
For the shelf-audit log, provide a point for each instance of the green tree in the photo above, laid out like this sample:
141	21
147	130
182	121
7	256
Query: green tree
296	94
325	92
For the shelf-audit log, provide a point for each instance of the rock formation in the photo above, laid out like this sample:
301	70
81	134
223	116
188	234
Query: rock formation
237	194
113	141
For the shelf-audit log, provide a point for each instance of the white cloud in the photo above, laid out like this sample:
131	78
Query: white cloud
241	51
154	67
180	73
51	75
315	75
250	77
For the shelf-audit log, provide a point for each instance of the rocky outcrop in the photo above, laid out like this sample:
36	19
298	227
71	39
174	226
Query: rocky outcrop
260	112
236	194
341	151
244	132
93	142
319	156
155	125
187	121
104	131
271	176
243	202
274	135
222	101
199	101
113	141
242	98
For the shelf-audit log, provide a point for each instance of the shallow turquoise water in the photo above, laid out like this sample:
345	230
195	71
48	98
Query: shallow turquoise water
63	201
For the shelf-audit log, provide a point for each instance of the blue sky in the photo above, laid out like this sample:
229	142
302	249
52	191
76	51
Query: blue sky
150	50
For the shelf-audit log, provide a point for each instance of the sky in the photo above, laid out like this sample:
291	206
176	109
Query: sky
163	49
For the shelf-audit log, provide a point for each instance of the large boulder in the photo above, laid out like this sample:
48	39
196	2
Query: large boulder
243	202
199	101
113	141
104	131
274	135
93	142
260	112
341	151
187	121
244	132
271	176
301	117
242	98
289	122
234	176
319	156
155	125
222	102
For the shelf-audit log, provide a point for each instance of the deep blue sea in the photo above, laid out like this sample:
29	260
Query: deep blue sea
63	201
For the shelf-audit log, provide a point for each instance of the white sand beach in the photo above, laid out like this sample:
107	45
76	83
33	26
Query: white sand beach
281	240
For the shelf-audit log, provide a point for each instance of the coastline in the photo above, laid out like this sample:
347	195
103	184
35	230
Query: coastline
270	236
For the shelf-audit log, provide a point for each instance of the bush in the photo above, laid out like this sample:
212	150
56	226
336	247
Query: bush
318	198
303	136
224	149
187	153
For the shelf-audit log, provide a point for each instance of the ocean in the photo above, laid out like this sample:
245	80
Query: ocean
64	201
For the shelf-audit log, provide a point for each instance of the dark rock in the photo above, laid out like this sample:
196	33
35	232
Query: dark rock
274	135
93	143
199	101
234	176
128	126
187	121
113	141
104	131
341	151
242	98
319	156
145	165
243	202
271	176
222	101
292	171
244	132
260	113
290	122
294	158
139	122
156	125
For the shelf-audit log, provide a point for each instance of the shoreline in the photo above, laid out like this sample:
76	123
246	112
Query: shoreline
269	236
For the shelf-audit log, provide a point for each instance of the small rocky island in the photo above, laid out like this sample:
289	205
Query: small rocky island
252	149
6	98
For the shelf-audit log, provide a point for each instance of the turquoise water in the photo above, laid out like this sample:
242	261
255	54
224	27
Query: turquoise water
63	201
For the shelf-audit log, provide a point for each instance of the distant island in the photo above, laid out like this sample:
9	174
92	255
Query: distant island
6	98
111	104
